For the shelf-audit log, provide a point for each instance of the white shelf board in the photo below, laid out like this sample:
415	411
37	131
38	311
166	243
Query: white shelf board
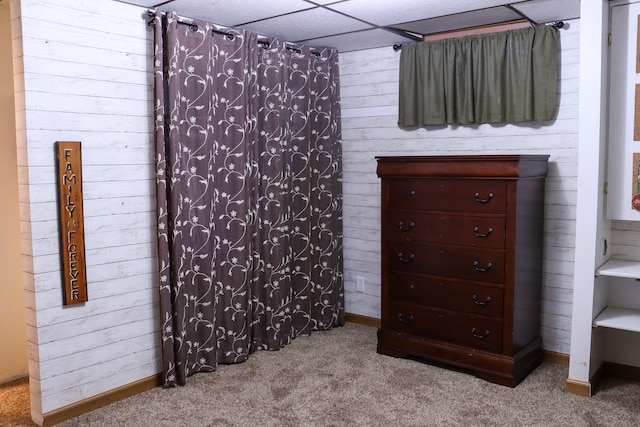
620	268
619	318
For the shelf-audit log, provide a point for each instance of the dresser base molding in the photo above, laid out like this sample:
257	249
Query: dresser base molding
496	368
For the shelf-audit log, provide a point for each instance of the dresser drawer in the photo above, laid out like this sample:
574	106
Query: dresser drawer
484	232
476	264
456	328
457	296
457	195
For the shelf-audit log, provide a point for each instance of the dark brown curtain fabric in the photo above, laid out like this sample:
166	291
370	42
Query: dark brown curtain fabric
504	77
249	194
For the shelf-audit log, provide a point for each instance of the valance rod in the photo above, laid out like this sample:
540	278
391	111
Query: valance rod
557	25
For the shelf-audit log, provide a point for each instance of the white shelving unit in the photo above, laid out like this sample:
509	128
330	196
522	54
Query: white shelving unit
616	317
620	268
622	136
619	318
606	299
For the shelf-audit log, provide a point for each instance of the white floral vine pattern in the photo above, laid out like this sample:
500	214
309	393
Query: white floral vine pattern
249	194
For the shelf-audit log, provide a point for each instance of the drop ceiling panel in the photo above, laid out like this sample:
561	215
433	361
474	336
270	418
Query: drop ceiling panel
308	24
542	11
387	13
233	13
328	22
325	2
461	20
143	3
367	39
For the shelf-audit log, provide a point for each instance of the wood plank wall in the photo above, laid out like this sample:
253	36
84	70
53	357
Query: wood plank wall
625	236
83	70
369	91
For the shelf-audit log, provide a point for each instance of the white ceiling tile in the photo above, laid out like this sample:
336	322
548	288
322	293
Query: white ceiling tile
367	39
325	20
143	3
386	13
325	2
462	20
232	13
542	11
307	24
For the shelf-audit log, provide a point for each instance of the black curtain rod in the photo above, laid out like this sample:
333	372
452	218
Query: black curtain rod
557	25
229	36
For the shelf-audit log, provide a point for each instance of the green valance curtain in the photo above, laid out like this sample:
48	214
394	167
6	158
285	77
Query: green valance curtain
504	77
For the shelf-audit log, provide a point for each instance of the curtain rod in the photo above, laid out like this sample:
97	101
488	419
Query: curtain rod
151	14
557	25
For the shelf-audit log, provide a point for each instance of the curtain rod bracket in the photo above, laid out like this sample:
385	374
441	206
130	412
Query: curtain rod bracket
151	15
397	47
557	25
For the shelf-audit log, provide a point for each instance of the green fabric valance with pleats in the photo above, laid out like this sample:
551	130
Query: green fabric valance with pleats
504	77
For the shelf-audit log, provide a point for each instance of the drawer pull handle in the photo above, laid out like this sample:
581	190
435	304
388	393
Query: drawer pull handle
403	259
480	269
481	303
476	231
403	319
412	192
480	337
407	228
479	200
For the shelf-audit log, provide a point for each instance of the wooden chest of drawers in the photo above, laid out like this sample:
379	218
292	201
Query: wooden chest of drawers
462	261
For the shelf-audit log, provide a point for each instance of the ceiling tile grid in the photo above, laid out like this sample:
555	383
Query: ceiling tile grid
542	11
307	24
233	13
359	40
386	13
349	25
475	18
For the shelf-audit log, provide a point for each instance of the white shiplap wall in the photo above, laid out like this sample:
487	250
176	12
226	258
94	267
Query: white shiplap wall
83	73
625	240
369	91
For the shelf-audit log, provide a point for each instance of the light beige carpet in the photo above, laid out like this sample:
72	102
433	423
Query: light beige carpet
336	378
14	403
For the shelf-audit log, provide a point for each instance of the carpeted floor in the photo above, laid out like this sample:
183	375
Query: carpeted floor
336	378
14	403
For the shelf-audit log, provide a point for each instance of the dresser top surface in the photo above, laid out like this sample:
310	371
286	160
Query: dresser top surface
496	165
466	157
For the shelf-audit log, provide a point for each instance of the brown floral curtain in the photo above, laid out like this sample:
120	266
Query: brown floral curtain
249	193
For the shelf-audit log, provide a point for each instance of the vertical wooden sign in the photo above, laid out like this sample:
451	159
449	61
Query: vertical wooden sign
69	170
636	114
638	46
